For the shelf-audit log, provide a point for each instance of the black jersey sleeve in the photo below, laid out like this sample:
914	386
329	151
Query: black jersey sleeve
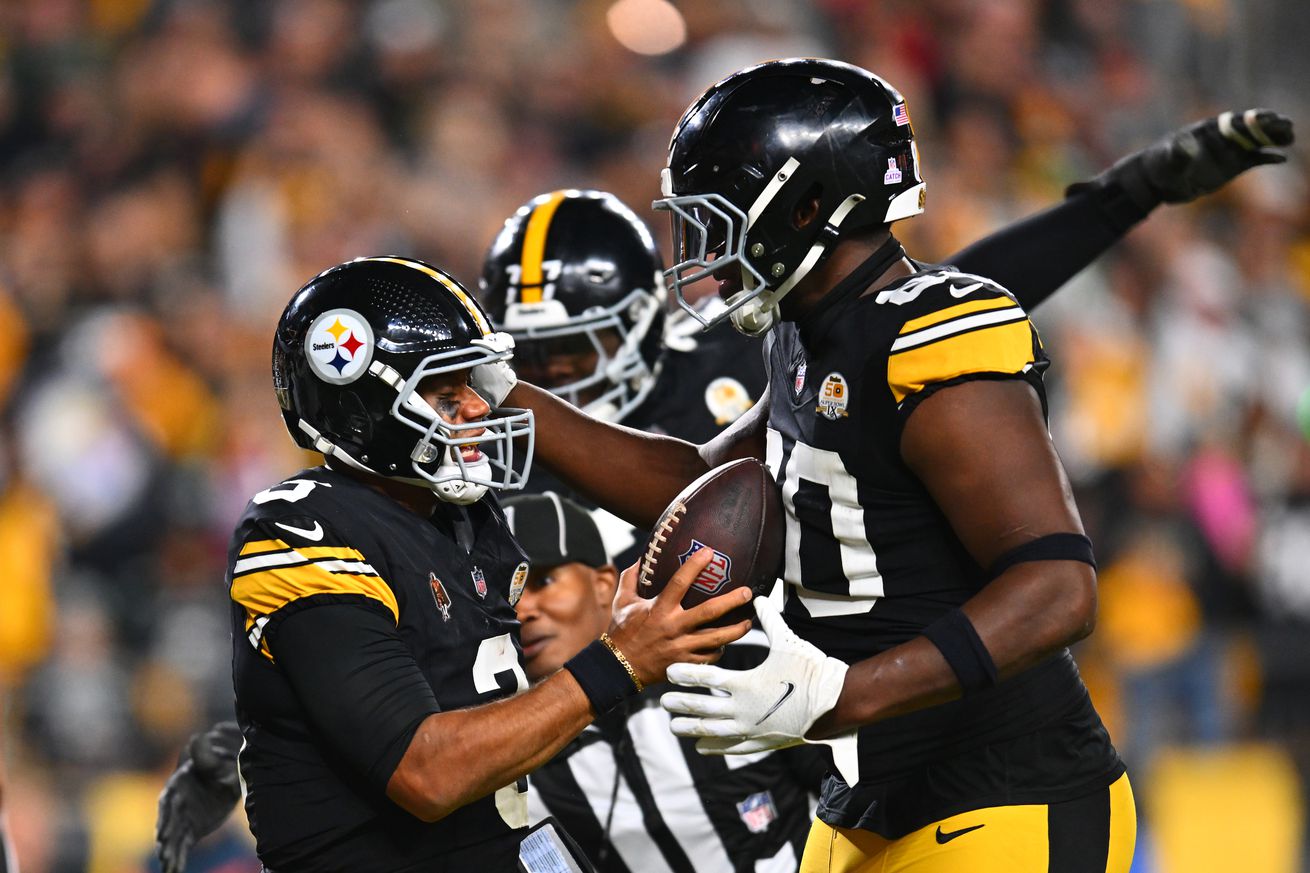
357	681
1035	256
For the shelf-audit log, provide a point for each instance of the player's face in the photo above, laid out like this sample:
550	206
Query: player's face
457	403
563	361
562	609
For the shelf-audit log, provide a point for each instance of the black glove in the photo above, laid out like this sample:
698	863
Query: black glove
1198	159
200	795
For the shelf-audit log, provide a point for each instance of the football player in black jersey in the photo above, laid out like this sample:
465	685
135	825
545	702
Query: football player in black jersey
936	565
379	683
1033	257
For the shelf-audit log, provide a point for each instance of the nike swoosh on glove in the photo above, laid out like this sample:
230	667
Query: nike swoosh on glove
495	378
767	707
1199	158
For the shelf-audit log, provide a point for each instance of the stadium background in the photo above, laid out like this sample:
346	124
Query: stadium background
171	170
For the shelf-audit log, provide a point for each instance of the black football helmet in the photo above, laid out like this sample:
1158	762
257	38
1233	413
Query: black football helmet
576	272
763	141
350	351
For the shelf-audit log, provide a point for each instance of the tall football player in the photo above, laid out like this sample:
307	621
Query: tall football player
936	565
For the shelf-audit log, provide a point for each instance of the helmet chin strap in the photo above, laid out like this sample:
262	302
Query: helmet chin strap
455	491
756	317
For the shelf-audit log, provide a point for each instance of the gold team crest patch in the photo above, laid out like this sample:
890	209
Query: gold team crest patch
517	581
727	400
834	397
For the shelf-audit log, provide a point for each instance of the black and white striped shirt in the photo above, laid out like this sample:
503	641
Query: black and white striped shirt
639	800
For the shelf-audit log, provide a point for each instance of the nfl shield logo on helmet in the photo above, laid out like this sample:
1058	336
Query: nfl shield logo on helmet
757	812
834	397
440	596
479	582
717	574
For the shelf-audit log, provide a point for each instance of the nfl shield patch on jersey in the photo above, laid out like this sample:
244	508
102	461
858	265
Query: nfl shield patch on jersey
757	812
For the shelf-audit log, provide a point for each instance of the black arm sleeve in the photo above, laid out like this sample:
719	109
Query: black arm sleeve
1035	256
357	681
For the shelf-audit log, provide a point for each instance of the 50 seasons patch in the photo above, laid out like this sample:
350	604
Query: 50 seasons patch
834	397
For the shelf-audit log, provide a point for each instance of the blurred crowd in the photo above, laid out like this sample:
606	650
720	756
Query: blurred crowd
171	170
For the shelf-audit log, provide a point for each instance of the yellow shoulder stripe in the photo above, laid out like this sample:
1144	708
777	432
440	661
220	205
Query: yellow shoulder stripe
255	547
313	553
955	311
267	591
1003	348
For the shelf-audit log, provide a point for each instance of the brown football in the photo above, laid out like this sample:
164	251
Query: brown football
735	510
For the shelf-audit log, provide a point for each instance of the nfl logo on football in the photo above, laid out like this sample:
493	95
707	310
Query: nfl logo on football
713	577
757	812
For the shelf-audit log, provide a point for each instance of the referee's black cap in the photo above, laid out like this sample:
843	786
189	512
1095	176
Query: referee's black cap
555	530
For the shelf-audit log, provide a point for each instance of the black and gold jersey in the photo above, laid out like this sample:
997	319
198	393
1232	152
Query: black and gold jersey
870	558
316	762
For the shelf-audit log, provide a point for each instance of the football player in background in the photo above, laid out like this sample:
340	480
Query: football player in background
936	566
605	275
379	682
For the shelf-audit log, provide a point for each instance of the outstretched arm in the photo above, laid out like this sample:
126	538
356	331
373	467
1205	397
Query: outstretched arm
1036	255
631	473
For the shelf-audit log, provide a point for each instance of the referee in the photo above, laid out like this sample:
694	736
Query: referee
634	796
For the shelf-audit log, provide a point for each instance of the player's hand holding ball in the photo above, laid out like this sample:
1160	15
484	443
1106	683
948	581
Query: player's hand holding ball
654	633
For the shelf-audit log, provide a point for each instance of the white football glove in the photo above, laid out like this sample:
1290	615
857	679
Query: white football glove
495	379
767	707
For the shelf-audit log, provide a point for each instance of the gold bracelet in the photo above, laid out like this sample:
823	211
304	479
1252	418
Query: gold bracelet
632	674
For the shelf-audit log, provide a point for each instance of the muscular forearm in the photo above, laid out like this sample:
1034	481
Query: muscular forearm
628	472
457	757
1022	617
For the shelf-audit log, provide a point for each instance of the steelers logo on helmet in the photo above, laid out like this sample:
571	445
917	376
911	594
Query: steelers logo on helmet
339	346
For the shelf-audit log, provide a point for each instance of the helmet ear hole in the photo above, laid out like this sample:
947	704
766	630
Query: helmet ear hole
806	209
354	417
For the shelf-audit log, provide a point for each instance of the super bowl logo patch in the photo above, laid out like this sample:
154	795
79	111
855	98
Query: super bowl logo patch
798	384
479	582
440	596
727	400
339	346
716	574
757	812
517	582
834	397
